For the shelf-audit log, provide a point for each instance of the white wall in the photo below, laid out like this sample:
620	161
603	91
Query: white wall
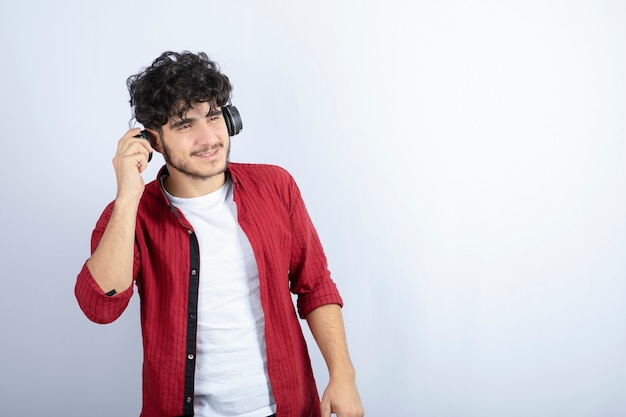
464	165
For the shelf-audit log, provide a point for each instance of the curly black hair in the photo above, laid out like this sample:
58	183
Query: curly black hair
173	83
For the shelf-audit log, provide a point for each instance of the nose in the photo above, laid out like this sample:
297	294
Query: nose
207	135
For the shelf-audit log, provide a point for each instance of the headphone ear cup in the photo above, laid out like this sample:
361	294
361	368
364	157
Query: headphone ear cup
144	134
232	119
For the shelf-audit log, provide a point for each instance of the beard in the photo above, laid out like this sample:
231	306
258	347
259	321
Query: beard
183	166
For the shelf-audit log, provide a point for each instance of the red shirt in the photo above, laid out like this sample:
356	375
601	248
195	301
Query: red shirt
289	257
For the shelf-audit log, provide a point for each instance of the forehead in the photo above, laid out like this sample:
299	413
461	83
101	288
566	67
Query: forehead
182	108
192	113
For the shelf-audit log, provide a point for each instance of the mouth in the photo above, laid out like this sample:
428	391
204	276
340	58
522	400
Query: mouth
207	153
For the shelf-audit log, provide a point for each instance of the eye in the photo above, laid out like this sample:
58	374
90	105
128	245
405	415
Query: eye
214	118
185	126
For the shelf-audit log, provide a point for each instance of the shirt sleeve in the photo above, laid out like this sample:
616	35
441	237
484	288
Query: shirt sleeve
95	304
309	274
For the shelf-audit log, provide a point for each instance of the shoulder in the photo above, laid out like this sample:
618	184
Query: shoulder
264	181
257	169
153	190
242	172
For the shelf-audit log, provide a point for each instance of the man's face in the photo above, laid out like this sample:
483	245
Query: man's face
196	146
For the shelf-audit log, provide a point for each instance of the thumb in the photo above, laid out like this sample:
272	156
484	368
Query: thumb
325	408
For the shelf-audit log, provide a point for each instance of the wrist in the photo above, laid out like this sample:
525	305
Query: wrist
342	374
125	200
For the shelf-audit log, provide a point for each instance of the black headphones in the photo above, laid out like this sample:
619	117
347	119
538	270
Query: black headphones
231	117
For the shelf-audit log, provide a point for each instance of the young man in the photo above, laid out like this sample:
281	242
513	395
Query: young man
214	249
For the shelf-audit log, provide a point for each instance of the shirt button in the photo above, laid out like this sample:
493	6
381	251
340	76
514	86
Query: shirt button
190	231
188	400
192	316
193	272
190	356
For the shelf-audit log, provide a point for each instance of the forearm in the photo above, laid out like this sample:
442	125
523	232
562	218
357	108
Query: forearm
326	324
111	264
341	396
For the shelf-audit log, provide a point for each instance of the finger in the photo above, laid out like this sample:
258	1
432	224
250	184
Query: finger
130	140
122	143
145	148
325	408
142	165
139	160
134	148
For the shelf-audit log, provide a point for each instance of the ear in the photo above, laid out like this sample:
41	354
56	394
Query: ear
155	140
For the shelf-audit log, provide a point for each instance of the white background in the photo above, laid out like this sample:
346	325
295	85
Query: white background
464	163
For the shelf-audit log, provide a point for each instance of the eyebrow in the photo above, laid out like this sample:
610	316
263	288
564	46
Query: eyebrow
178	123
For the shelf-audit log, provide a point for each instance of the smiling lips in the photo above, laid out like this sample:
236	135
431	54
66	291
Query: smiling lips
206	153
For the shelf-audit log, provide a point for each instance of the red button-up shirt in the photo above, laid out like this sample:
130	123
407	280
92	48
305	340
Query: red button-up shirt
289	257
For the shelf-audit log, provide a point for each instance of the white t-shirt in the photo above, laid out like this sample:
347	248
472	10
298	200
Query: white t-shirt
231	363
